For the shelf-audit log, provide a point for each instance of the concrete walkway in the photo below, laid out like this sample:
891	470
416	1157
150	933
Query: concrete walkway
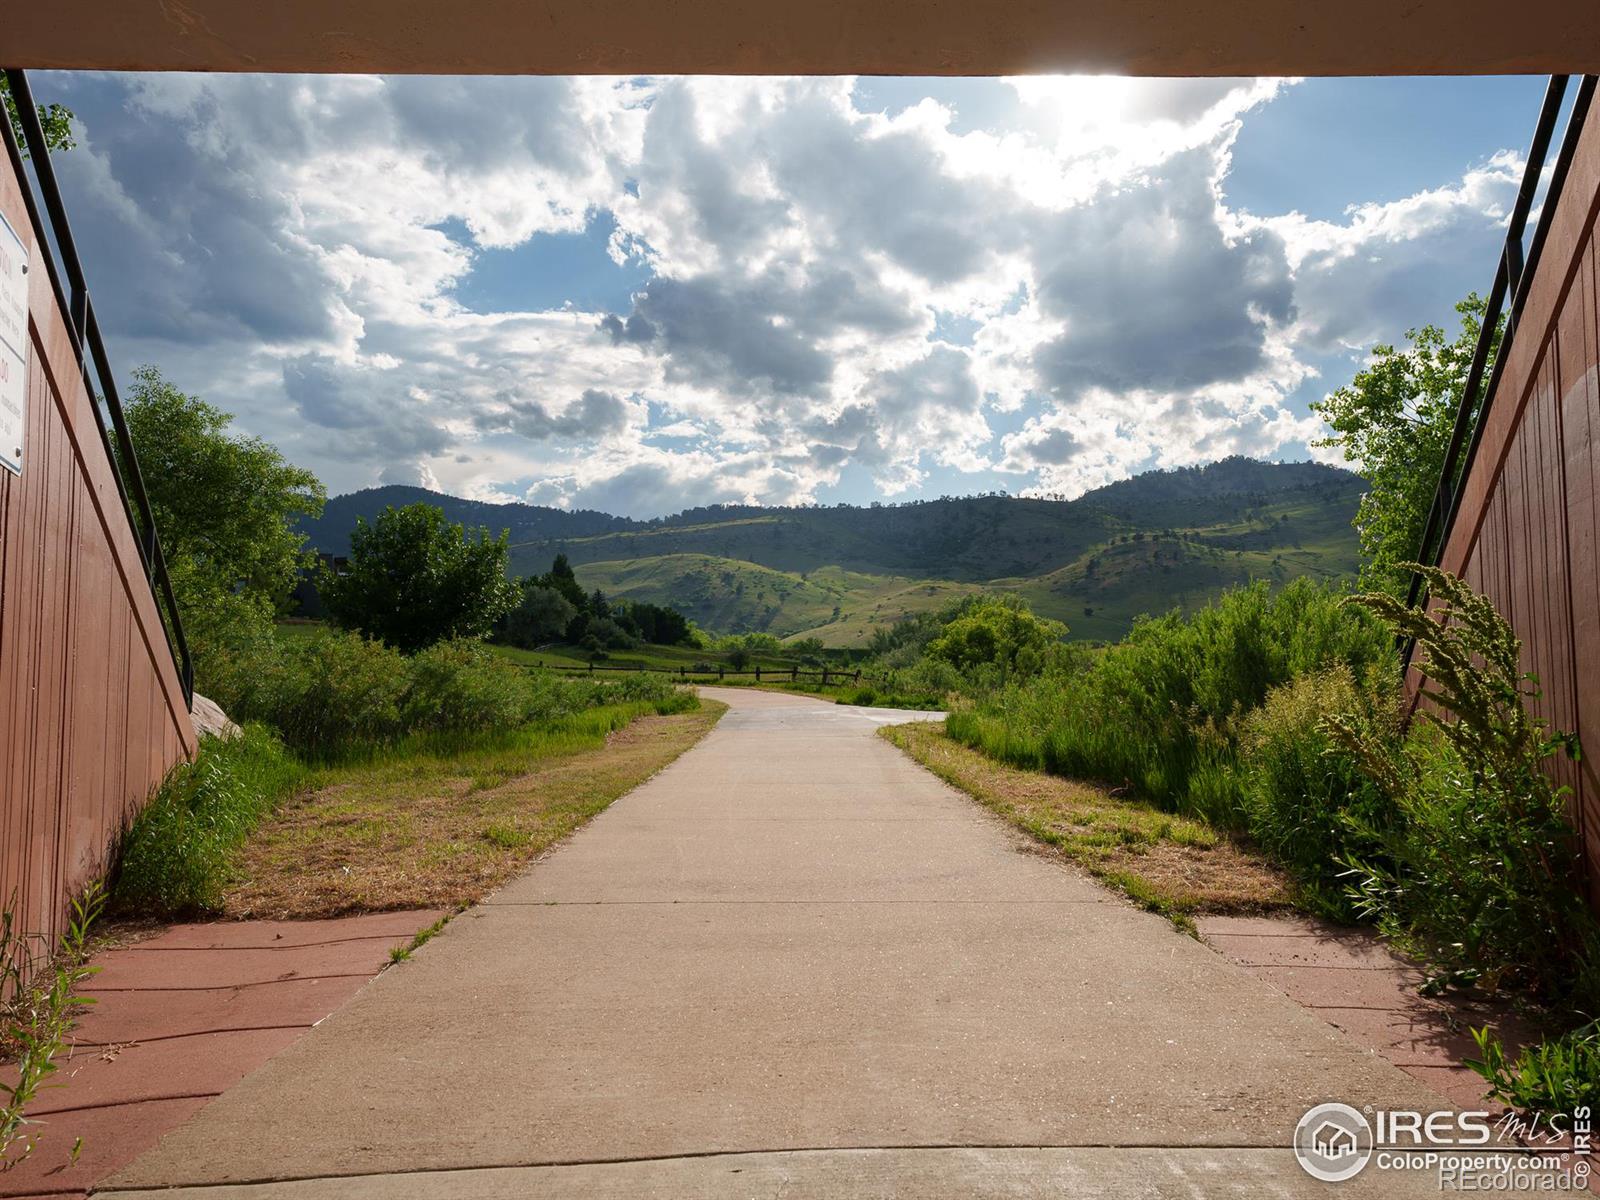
792	963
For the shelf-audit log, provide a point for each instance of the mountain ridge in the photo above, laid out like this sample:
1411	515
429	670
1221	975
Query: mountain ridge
1144	544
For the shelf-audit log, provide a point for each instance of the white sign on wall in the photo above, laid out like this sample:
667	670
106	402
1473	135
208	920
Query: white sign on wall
13	347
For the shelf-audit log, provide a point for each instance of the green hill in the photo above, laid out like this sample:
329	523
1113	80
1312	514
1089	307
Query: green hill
1160	540
725	594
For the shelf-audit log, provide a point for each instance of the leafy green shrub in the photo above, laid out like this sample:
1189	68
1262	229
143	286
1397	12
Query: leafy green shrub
334	695
173	858
337	695
1306	799
541	615
1478	873
655	690
1555	1077
463	687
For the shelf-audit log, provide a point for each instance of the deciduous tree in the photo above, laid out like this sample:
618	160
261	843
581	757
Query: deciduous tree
415	578
1393	421
224	504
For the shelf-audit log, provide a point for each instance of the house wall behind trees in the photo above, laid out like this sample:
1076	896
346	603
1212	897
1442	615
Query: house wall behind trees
1527	533
92	714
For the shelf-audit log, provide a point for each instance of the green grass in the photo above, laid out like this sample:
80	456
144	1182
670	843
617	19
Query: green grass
731	595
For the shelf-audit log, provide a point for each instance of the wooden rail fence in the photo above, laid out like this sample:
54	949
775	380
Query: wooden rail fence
826	675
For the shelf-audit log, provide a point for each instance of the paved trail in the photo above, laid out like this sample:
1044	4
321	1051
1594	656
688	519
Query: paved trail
792	963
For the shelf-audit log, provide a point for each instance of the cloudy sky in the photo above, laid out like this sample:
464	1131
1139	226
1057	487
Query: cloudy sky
640	295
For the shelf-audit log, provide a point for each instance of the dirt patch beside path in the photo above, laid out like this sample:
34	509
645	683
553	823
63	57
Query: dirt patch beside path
1167	863
441	833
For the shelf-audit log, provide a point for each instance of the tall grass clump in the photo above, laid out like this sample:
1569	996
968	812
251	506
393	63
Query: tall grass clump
340	697
1479	869
173	858
334	695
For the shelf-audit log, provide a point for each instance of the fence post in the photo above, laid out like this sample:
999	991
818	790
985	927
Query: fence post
719	670
758	673
591	666
858	674
794	674
824	676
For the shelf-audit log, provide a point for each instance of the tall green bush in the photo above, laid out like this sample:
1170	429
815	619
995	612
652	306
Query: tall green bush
462	686
1161	709
1479	869
999	637
415	578
1307	801
334	695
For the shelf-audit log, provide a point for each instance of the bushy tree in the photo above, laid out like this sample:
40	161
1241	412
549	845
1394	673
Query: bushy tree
997	632
561	578
541	615
225	508
415	578
657	624
592	619
1393	422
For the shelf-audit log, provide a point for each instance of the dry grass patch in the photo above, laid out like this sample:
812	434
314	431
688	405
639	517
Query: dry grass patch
1170	864
441	832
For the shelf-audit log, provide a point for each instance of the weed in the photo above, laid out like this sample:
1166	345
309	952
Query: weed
1307	801
40	994
1477	872
421	938
506	836
1159	713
